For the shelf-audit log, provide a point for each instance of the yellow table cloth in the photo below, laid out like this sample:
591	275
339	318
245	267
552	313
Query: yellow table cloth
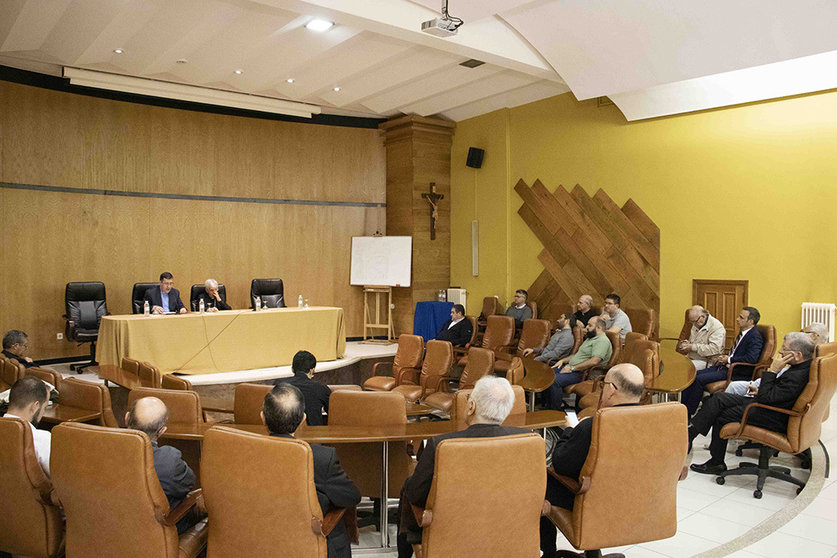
222	341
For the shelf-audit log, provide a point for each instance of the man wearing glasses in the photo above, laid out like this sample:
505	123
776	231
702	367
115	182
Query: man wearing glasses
16	347
706	340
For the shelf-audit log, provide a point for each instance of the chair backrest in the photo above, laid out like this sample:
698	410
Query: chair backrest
149	375
516	371
686	331
130	365
90	396
651	441
408	356
768	333
533	306
616	345
438	358
480	362
472	481
184	406
271	292
643	320
11	371
138	294
198	290
474	330
112	499
49	376
825	349
254	508
85	303
499	331
171	381
460	405
362	462
249	402
535	333
31	525
578	337
490	306
814	401
645	355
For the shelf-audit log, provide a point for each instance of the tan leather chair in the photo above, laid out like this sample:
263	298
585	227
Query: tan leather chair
480	363
184	407
768	333
112	499
149	375
255	509
825	349
477	333
405	368
249	402
46	375
490	307
499	335
533	335
130	365
10	372
86	395
460	407
804	426
170	381
643	320
533	306
611	509
32	523
472	480
438	358
685	331
578	338
344	387
362	462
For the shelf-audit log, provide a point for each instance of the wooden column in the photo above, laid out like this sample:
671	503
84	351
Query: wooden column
418	153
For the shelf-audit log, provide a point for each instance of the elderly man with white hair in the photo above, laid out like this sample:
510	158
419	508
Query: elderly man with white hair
488	406
706	338
212	301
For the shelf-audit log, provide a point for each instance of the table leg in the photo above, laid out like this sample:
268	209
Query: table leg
531	401
384	494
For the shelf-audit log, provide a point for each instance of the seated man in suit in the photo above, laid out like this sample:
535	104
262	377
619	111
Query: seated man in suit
595	349
28	400
314	393
615	318
623	385
559	344
150	415
780	387
283	412
211	298
706	338
746	348
488	406
457	330
16	347
519	310
585	309
166	298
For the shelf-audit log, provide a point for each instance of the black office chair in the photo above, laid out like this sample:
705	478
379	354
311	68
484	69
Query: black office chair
271	291
85	303
138	294
198	290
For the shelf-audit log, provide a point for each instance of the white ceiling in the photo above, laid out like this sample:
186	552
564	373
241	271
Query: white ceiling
649	56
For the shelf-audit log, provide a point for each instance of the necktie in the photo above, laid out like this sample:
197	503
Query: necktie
735	344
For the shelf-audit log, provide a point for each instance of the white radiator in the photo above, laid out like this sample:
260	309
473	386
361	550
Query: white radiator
457	296
819	312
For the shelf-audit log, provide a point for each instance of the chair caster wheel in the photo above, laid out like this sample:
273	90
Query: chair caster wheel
738	452
806	464
757	494
720	480
798	490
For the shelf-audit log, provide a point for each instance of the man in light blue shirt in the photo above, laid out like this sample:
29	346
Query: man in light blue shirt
165	299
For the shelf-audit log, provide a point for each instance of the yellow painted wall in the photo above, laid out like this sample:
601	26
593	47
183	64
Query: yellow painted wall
740	193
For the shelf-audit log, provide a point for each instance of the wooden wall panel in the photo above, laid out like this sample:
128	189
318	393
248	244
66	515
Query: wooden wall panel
50	238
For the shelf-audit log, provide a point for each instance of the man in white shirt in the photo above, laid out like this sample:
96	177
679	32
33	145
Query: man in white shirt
706	340
28	400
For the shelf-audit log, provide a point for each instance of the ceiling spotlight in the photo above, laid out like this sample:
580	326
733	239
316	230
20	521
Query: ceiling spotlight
239	72
118	50
319	25
336	89
290	80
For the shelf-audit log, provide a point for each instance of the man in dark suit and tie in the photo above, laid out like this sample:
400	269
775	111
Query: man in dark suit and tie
746	348
283	412
781	385
165	298
457	330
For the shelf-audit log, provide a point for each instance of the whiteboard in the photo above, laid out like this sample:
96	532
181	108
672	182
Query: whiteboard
382	260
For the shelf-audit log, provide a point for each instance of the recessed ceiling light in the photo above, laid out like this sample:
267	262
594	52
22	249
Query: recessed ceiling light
290	80
118	50
181	61
319	25
337	89
239	72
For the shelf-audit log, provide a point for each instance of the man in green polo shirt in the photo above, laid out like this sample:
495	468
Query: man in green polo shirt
595	350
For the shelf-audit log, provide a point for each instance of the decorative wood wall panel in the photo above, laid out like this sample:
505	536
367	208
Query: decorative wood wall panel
591	246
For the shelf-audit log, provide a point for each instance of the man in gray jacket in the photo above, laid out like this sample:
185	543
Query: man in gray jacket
560	344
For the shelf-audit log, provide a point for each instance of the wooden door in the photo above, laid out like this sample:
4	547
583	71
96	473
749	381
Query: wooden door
723	299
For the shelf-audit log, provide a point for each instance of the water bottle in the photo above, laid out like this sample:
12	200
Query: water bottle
306	304
146	309
299	302
201	306
258	303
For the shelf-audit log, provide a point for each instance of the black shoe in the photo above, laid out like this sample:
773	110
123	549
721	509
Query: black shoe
709	468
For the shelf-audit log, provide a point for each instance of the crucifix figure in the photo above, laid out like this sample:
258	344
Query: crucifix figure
433	199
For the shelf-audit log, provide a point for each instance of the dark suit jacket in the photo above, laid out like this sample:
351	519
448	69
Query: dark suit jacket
23	361
315	394
749	349
459	335
779	392
154	298
212	303
334	490
176	479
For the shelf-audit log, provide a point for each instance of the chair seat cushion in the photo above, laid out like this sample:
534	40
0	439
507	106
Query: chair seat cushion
193	541
776	440
717	386
502	366
590	400
441	401
410	393
581	389
379	383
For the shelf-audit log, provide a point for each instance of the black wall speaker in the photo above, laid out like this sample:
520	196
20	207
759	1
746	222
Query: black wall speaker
475	156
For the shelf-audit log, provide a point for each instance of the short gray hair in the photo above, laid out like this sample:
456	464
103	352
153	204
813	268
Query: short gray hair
802	342
493	397
210	283
818	329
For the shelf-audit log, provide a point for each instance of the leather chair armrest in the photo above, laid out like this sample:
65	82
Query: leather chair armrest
330	521
571	484
505	350
462	351
424	517
218	409
739	365
375	367
178	513
744	417
438	383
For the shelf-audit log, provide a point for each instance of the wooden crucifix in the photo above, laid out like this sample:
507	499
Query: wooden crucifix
433	199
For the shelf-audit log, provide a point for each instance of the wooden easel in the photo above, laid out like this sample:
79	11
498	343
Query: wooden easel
368	323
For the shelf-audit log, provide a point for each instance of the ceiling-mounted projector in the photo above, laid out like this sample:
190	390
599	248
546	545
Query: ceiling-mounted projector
444	26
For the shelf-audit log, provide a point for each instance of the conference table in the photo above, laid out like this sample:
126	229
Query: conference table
56	414
382	434
195	343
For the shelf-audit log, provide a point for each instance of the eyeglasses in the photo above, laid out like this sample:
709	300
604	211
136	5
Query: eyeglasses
614	385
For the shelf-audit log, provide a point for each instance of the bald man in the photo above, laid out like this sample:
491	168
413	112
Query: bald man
706	339
623	386
585	309
150	415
